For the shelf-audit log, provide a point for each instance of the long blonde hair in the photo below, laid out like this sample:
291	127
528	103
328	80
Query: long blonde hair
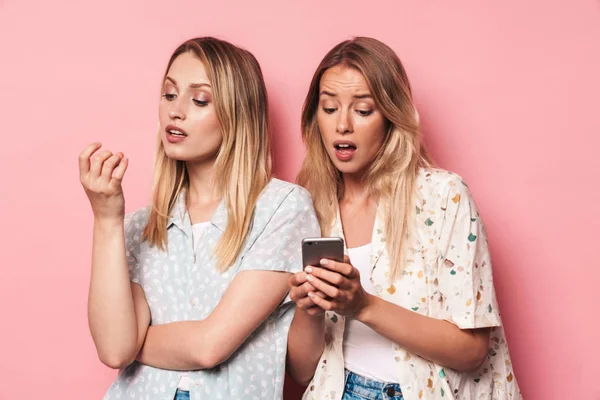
243	164
393	173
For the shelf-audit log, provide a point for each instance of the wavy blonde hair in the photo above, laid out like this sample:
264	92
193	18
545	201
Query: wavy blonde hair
392	175
243	164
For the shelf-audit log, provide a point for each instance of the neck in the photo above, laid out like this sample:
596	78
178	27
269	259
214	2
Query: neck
355	189
202	189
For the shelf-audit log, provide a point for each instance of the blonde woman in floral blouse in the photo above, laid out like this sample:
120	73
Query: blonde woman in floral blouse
411	313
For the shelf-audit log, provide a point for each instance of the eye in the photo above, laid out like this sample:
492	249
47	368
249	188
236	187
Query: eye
329	110
169	96
200	103
364	113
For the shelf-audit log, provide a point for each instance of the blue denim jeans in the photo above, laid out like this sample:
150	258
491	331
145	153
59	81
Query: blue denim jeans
361	388
182	395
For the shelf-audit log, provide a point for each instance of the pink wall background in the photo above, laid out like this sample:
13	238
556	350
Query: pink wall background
508	94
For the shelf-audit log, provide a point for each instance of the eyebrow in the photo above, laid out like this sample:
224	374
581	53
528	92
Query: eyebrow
192	85
356	96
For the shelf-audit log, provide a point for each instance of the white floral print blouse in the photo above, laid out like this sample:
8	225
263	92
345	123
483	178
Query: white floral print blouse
449	277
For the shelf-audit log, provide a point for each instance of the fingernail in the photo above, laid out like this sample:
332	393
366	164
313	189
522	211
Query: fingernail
324	262
311	294
309	278
308	269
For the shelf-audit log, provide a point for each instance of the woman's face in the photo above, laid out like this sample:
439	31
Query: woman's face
189	127
352	127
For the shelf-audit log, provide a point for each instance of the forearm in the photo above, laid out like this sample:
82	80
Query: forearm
437	340
192	345
111	310
182	346
306	341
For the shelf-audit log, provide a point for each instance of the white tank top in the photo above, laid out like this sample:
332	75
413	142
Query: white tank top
366	352
197	231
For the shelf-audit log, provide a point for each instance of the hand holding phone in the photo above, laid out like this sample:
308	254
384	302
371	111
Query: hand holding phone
315	249
335	286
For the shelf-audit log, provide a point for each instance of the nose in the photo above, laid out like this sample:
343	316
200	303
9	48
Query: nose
177	110
344	123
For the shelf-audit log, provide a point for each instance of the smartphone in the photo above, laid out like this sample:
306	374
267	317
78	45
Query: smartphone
315	249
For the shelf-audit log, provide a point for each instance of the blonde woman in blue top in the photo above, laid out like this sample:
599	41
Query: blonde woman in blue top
188	296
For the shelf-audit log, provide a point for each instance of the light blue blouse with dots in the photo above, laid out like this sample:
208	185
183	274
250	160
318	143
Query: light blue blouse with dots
177	289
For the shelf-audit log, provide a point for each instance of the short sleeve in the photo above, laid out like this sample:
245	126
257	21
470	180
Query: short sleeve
279	246
134	227
465	271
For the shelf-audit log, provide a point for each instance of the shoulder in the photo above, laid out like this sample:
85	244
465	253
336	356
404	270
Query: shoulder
434	180
136	221
279	194
436	185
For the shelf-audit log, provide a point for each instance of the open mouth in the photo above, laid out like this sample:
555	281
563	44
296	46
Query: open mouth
344	150
176	132
344	147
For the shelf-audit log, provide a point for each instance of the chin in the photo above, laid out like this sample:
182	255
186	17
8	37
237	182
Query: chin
183	154
348	168
177	154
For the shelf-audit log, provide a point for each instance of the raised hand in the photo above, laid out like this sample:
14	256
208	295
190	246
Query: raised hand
101	173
